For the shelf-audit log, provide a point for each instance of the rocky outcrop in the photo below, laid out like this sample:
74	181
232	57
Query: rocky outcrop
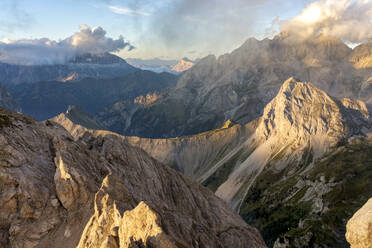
183	65
359	227
77	116
101	192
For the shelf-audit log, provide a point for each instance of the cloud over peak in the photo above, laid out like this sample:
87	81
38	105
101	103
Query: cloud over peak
46	51
349	20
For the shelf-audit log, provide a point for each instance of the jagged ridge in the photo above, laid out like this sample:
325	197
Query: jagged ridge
101	192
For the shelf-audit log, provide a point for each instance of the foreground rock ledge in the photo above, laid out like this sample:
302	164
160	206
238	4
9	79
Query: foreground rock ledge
101	192
359	227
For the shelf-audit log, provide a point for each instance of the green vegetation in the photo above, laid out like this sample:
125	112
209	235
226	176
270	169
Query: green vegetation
275	206
265	208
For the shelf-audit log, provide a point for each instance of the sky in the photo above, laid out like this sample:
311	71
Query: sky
160	28
169	29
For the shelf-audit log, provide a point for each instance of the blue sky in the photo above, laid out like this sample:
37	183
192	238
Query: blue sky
162	28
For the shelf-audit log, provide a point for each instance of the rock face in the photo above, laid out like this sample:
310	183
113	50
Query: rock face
100	66
237	86
101	192
192	155
183	65
44	100
6	100
76	115
359	227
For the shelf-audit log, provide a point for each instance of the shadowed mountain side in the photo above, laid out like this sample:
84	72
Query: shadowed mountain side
44	100
7	101
99	66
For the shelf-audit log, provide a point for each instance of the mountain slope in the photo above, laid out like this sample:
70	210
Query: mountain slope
99	66
191	155
7	101
294	178
237	86
297	173
101	192
44	100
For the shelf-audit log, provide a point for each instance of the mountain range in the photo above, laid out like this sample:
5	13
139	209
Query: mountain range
279	129
46	99
102	66
237	86
297	173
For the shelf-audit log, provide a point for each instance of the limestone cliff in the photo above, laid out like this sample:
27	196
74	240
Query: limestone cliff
101	192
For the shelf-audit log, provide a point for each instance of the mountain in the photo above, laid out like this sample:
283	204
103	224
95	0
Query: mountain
99	66
237	86
46	99
77	122
101	192
297	173
7	101
183	65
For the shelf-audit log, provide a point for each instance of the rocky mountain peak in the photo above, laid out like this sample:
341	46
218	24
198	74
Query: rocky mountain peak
301	110
183	65
76	115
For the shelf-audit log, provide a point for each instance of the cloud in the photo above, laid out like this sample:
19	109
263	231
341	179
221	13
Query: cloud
349	20
127	11
200	24
46	51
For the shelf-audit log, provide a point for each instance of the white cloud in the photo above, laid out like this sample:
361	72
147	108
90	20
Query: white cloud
46	51
127	11
349	20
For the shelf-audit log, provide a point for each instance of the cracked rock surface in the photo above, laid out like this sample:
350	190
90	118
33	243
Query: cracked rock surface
100	192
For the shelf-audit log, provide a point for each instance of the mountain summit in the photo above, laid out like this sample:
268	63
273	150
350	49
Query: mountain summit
299	120
183	65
